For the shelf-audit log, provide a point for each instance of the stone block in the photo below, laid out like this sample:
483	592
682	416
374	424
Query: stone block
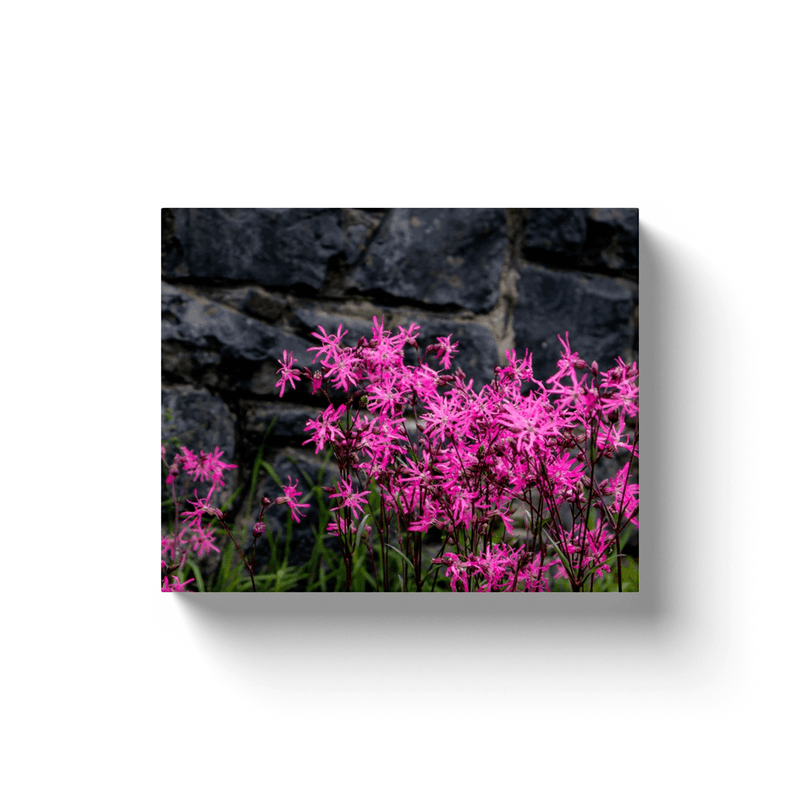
280	247
556	231
289	428
437	256
596	310
204	324
612	241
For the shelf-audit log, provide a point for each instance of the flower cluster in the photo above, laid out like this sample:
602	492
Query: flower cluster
192	534
434	453
500	568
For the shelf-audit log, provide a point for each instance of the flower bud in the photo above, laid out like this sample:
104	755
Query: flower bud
258	529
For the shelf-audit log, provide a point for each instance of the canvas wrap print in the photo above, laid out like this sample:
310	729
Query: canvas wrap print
399	400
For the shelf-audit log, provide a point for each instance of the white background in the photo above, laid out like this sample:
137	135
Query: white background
685	110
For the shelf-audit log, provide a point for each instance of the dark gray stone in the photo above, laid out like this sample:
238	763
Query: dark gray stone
559	231
290	422
358	227
171	248
254	301
612	240
200	420
186	363
268	246
621	219
204	324
266	307
437	256
596	310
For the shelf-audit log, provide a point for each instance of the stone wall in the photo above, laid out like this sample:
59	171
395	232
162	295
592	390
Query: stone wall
240	286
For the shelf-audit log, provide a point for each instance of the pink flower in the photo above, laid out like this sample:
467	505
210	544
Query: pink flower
409	336
350	498
287	373
529	421
201	507
329	347
518	370
208	467
446	416
383	355
424	380
620	393
569	361
565	475
428	517
626	496
202	542
171	546
325	428
384	400
176	586
445	350
345	370
499	568
337	526
291	493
